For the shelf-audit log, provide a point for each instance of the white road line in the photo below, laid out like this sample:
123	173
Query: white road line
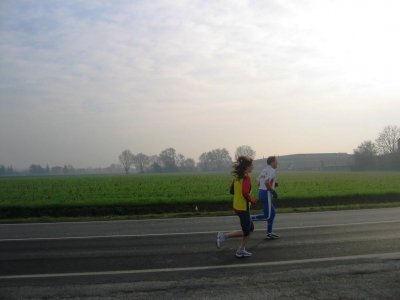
393	255
162	219
119	221
184	233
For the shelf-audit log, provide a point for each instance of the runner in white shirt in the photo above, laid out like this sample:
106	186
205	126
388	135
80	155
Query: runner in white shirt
267	183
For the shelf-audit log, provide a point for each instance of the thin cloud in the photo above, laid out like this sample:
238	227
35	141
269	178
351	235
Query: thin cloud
146	75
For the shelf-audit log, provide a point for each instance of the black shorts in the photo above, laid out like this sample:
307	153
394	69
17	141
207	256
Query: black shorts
245	222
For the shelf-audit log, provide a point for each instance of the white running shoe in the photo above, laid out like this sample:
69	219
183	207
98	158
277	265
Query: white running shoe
220	239
272	236
242	253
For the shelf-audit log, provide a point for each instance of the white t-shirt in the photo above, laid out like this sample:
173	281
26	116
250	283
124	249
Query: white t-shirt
267	174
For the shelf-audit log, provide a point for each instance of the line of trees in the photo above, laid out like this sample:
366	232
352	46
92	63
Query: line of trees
6	171
37	169
381	154
168	161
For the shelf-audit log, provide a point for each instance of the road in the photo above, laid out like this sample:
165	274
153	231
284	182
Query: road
326	255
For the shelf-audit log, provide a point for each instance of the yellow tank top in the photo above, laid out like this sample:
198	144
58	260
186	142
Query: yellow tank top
239	201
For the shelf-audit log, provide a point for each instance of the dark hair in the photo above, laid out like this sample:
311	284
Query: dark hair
270	160
240	166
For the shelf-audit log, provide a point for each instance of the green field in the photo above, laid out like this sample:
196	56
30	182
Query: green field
196	188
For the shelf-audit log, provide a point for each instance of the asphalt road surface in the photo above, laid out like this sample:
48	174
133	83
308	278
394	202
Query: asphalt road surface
327	255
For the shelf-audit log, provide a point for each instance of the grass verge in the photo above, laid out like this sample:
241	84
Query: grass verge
47	219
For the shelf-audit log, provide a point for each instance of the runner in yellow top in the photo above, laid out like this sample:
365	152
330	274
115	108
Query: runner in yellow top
241	204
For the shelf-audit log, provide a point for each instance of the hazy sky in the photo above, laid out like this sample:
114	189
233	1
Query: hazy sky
81	81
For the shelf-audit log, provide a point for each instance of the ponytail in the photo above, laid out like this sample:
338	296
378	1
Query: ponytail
240	166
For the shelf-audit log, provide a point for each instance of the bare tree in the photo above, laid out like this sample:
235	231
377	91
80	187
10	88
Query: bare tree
189	165
168	157
221	157
205	160
3	170
387	139
36	169
65	170
71	169
10	170
364	155
185	164
141	161
126	159
155	164
246	151
180	161
154	159
367	148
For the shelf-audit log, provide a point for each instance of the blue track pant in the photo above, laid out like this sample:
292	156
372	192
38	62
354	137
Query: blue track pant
268	208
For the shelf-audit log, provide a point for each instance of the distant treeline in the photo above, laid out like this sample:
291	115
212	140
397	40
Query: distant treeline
37	169
6	171
385	162
383	154
168	161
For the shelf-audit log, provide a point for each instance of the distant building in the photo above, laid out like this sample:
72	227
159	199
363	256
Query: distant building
311	161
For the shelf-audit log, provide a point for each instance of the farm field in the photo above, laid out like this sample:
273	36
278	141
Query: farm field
181	189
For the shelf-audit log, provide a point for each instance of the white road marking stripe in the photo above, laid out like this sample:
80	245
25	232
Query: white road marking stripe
162	219
393	255
185	233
